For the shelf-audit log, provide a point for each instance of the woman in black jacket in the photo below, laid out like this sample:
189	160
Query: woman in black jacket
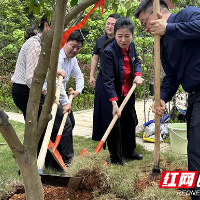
120	67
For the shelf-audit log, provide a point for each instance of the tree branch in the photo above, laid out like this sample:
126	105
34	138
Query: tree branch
9	134
77	9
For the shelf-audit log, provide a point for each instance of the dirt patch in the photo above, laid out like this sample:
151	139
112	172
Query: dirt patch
142	183
93	180
94	183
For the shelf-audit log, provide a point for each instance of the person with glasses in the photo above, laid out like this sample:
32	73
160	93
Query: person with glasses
144	21
180	46
109	28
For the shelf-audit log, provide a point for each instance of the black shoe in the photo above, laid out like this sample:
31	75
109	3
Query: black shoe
134	156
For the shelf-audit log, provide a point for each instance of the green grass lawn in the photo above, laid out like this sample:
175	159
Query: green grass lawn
122	179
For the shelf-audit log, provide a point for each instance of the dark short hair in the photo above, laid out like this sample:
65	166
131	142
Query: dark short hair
76	35
145	4
114	15
124	22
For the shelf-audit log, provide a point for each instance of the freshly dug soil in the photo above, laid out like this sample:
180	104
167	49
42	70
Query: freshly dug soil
93	180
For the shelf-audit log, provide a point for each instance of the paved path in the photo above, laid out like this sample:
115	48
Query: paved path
83	125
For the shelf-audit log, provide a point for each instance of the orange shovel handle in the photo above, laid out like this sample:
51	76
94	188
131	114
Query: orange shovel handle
99	147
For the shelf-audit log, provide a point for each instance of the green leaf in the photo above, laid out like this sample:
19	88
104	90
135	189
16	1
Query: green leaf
128	13
36	10
73	2
48	15
106	4
114	6
31	5
128	5
174	1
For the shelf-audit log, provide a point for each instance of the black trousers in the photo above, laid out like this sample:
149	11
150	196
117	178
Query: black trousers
121	141
20	94
193	135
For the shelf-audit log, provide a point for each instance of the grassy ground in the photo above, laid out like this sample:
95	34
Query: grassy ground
129	181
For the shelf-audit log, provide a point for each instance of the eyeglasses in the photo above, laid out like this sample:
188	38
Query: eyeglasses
144	21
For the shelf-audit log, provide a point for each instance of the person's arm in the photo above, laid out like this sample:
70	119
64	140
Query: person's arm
64	98
63	95
188	26
93	66
107	68
32	61
78	76
137	68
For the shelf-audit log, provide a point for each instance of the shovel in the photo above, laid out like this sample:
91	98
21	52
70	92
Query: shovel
101	143
156	168
43	149
53	146
51	179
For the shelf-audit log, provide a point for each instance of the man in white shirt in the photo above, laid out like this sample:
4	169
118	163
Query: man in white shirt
67	62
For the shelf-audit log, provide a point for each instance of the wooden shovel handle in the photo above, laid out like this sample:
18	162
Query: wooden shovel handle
60	131
156	8
112	123
43	149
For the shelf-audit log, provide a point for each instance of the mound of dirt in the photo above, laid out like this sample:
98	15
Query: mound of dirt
93	180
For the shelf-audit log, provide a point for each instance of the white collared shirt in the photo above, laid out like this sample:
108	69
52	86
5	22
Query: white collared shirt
70	65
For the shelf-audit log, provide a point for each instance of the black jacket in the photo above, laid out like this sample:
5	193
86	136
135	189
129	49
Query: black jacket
109	85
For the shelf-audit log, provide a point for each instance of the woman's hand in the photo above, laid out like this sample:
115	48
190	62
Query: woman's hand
138	80
116	109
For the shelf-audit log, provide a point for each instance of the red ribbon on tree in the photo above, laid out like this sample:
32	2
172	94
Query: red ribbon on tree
82	23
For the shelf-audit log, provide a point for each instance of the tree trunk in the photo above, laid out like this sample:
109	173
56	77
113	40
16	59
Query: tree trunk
31	178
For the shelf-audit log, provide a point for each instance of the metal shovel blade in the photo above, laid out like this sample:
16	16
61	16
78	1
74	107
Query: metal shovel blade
60	181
